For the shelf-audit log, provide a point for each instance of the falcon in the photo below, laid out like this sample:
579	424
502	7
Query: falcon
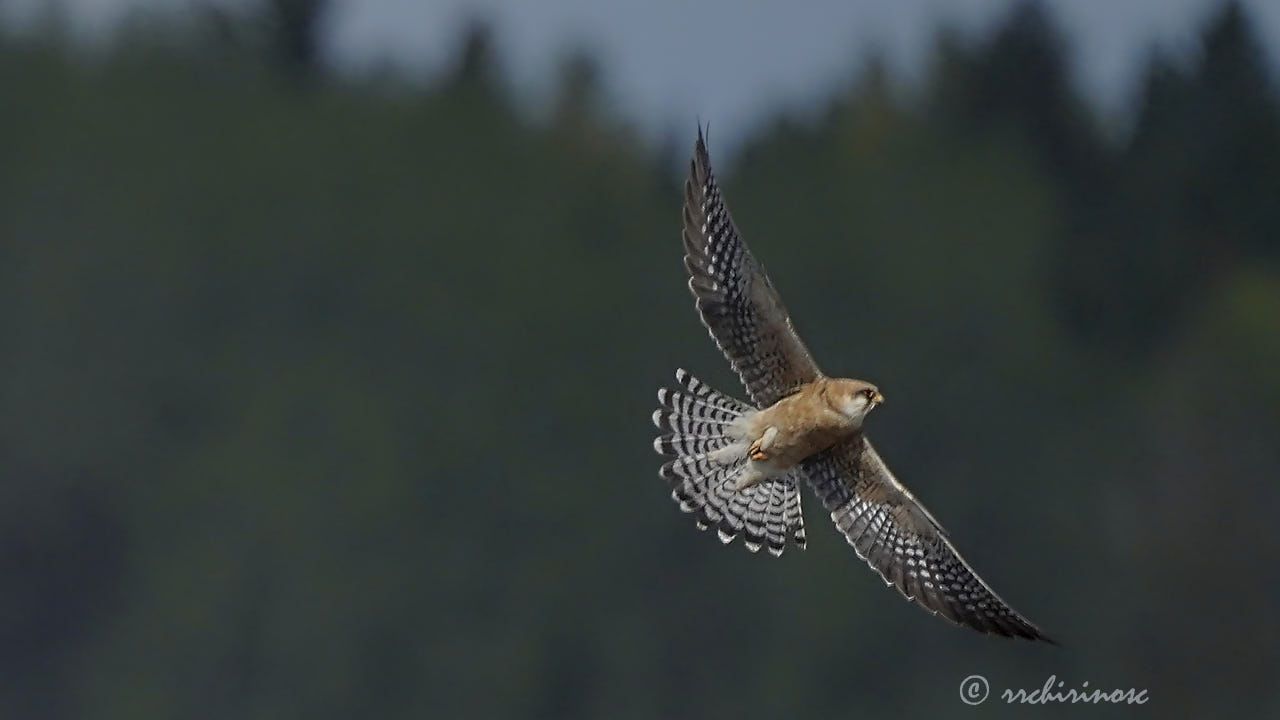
738	466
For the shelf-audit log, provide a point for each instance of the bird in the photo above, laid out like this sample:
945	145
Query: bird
737	466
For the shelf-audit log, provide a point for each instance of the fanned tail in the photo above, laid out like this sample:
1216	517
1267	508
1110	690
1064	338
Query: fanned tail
708	455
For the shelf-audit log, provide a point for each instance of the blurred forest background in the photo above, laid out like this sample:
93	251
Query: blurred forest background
330	397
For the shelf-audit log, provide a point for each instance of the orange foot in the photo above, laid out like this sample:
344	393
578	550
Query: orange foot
755	453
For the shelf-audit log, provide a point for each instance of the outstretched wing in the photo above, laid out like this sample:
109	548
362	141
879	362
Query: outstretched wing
898	537
735	298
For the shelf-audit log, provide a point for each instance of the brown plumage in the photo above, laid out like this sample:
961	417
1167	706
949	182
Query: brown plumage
738	466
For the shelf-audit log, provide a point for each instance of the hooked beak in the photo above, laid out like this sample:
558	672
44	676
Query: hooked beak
877	398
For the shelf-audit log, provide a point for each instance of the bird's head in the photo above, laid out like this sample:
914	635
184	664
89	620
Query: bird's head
855	398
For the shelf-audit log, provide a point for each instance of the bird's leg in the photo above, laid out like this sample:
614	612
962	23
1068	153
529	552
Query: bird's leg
758	448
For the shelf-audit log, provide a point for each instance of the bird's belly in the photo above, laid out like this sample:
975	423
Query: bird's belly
800	433
802	443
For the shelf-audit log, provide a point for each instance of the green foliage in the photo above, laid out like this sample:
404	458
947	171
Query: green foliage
326	398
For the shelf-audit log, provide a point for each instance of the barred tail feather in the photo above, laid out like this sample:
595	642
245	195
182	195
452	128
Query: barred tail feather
708	456
792	514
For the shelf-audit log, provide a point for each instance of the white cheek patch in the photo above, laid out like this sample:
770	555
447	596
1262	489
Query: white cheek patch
855	405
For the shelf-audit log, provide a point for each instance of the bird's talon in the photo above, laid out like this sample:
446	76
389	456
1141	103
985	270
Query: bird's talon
755	453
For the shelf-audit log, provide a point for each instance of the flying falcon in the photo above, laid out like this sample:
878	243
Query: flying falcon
738	466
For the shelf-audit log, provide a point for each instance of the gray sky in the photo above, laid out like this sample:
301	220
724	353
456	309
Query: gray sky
728	62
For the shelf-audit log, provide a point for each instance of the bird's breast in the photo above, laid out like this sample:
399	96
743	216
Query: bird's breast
806	425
